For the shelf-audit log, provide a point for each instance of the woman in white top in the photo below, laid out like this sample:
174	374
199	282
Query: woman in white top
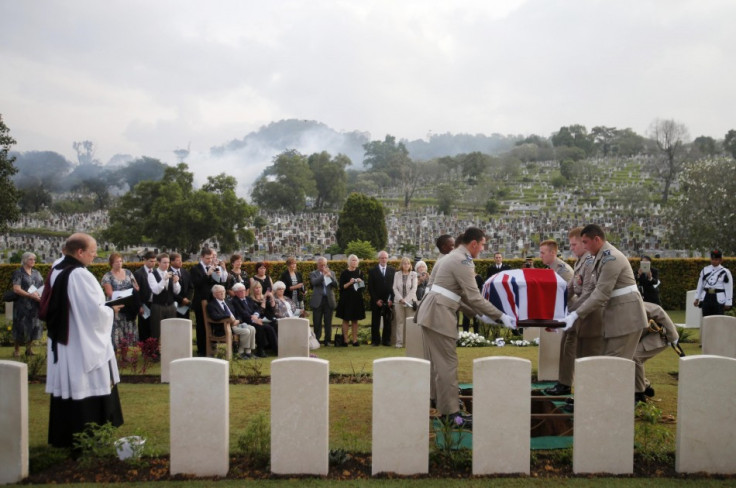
405	298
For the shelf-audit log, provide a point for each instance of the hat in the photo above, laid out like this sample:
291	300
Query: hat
716	254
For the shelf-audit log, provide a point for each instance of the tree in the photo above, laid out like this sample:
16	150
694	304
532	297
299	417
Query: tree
97	188
34	197
171	214
446	196
703	215
603	139
362	249
670	137
142	169
45	168
706	146
285	184
329	177
362	218
473	165
393	159
492	206
729	143
574	136
9	196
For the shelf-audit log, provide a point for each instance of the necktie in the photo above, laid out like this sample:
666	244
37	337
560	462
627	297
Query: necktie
383	271
224	307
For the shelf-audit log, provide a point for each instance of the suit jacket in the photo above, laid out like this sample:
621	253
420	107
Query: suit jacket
492	269
185	280
654	340
317	279
201	283
215	311
141	276
241	309
381	287
455	273
623	314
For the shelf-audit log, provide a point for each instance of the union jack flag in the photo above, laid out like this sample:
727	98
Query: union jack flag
528	294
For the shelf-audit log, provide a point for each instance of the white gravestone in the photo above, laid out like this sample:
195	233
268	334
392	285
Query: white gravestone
300	416
548	368
603	441
199	417
293	338
176	343
501	412
530	333
400	442
706	415
414	341
693	314
13	421
718	335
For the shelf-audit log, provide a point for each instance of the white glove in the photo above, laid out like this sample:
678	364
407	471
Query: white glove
570	320
486	319
508	322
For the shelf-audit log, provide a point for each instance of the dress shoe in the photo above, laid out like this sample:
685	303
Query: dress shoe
649	391
260	353
558	389
356	344
245	355
639	396
344	344
326	343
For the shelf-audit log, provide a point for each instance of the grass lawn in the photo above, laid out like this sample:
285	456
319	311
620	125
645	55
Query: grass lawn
146	408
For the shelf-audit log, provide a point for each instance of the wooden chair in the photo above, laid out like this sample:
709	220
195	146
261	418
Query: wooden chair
226	339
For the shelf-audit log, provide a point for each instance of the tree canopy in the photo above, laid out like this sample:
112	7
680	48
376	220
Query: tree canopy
670	137
9	196
362	219
285	184
171	214
703	215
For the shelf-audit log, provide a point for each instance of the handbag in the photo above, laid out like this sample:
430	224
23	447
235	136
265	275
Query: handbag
339	340
313	342
10	296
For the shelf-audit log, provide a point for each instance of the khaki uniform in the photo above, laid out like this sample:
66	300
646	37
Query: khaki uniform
453	275
563	269
652	343
623	315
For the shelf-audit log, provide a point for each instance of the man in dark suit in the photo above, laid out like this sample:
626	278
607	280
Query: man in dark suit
498	266
184	297
380	285
202	283
323	298
243	311
141	277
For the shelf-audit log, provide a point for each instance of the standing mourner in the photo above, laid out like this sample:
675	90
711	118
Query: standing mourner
164	286
380	286
350	307
118	278
405	298
26	324
323	283
648	279
453	288
715	287
616	296
294	282
498	265
82	373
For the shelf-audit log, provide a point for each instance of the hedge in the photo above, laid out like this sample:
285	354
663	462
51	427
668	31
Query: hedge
676	275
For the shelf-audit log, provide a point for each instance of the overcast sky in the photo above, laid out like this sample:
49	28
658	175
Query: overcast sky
145	77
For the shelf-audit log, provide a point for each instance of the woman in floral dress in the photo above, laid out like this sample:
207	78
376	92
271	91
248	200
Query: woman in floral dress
120	279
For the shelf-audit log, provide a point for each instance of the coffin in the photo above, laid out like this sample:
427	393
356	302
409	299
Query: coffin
535	297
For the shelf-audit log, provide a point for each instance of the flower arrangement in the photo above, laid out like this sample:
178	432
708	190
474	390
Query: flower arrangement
471	339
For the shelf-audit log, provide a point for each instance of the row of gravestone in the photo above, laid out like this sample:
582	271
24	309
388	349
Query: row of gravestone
603	440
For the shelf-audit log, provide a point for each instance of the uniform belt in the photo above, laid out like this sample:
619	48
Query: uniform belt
444	291
624	291
714	290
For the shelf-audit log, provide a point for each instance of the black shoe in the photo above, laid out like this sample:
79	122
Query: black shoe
460	420
245	355
432	403
260	353
326	343
356	344
558	389
649	391
376	344
639	396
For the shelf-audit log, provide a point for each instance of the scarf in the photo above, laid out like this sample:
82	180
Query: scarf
57	312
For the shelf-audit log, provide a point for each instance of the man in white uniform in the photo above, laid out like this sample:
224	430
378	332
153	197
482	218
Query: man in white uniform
82	372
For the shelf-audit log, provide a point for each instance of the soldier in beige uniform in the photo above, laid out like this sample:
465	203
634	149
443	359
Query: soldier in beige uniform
615	294
652	342
453	288
548	255
584	338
